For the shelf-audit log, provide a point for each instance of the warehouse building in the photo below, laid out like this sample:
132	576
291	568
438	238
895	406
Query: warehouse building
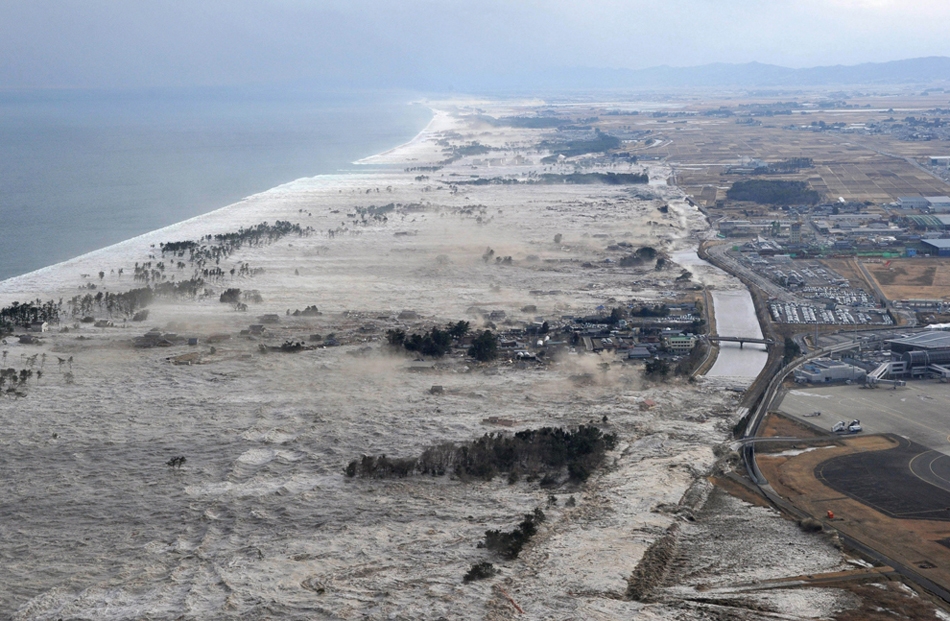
939	247
826	370
913	202
939	204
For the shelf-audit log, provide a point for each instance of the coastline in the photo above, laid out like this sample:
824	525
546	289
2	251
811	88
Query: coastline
146	166
262	514
221	219
440	121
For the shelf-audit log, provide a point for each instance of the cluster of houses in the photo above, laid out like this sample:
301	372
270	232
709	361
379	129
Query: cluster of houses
634	339
32	329
671	334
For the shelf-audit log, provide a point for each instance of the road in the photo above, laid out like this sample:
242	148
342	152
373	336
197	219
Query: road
721	253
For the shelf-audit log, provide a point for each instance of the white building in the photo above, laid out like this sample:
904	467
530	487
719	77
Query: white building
913	202
825	370
939	204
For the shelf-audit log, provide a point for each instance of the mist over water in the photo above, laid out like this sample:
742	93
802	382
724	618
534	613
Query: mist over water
80	171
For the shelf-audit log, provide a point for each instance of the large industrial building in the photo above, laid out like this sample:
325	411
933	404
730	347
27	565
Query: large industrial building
924	353
939	247
913	202
936	204
826	370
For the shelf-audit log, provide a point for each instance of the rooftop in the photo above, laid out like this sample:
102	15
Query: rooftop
941	244
925	340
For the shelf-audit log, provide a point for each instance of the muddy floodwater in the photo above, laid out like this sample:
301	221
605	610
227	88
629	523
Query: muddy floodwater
194	464
735	316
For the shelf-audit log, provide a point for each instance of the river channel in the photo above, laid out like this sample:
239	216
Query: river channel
735	316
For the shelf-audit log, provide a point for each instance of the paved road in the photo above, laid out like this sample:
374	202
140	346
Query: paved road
721	253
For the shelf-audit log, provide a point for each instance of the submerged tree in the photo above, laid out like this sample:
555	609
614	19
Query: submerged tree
485	347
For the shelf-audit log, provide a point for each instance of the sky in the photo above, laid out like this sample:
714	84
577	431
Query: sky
436	44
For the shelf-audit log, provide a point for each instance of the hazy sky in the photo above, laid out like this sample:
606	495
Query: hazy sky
436	43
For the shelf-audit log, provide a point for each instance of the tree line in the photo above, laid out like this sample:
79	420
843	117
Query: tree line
18	314
549	451
437	342
773	192
129	302
211	249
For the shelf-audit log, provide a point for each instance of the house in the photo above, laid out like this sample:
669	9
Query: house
39	326
256	329
639	353
269	318
154	338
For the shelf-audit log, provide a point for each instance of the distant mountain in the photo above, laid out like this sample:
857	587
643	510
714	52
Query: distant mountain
747	75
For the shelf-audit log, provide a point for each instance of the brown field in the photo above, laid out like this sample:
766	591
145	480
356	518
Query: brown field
777	426
913	542
847	269
856	166
913	278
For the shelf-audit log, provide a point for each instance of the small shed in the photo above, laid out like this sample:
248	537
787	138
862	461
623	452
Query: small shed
39	326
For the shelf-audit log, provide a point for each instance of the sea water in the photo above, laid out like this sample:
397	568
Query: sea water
80	170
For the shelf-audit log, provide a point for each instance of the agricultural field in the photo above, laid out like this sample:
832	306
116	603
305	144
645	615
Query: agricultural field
903	279
850	161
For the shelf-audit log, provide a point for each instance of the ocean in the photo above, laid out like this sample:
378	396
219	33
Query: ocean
80	171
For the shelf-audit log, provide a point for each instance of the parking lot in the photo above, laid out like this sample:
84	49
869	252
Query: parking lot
920	411
813	293
790	312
